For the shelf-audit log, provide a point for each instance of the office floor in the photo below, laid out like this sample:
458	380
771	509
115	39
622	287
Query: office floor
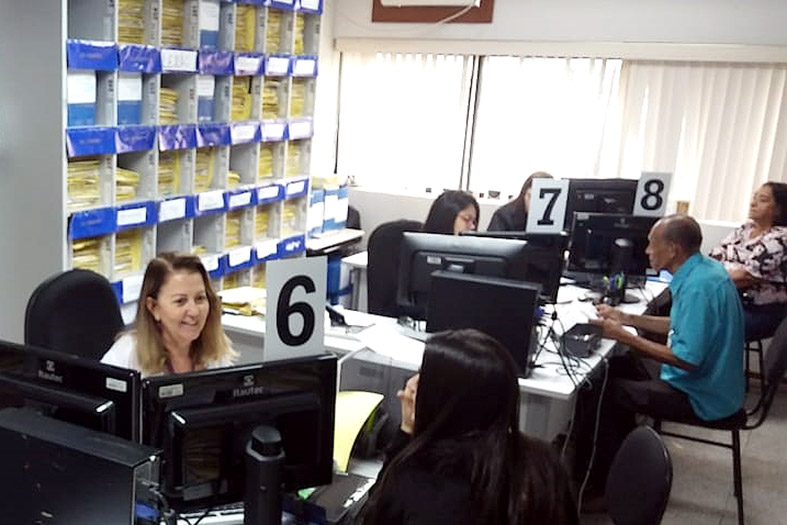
702	477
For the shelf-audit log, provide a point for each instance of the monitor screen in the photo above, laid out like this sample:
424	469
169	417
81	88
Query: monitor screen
70	388
501	308
600	196
202	422
594	236
424	253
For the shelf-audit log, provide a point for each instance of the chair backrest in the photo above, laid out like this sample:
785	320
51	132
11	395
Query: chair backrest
383	267
76	312
775	367
639	480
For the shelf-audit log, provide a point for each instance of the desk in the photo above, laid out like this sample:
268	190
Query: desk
331	241
546	397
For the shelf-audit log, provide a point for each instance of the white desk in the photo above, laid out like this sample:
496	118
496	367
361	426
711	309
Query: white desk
547	396
324	243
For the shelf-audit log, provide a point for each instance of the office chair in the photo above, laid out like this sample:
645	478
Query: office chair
74	311
382	272
775	364
639	479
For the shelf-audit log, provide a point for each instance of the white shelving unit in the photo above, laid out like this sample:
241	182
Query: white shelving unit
156	156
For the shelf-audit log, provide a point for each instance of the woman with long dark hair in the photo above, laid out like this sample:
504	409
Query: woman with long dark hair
513	215
452	213
459	457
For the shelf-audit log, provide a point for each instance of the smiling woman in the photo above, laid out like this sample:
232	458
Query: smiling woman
178	324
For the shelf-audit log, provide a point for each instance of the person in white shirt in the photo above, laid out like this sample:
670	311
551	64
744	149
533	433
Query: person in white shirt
178	323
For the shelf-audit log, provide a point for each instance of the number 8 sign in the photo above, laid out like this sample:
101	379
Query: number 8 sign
295	308
652	193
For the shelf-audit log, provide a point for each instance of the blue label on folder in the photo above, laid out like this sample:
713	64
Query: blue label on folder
240	198
304	66
297	188
270	193
89	54
134	138
177	136
129	112
91	223
300	128
282	4
249	64
274	130
292	245
175	208
81	142
277	65
216	62
136	215
245	132
81	115
213	134
310	6
139	59
204	109
208	38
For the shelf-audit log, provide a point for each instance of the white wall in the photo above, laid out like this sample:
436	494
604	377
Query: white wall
327	97
752	22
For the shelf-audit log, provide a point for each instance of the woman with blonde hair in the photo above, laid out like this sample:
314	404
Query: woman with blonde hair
178	324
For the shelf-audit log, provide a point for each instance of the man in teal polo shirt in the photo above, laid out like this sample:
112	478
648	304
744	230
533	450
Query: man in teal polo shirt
702	363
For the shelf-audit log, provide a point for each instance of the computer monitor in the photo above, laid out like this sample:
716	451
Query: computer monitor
600	196
424	253
203	422
501	308
70	388
593	240
557	241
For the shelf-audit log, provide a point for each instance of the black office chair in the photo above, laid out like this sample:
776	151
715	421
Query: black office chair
382	271
76	312
639	480
775	364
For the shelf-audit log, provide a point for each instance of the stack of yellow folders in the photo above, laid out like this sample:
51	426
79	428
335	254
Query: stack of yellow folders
127	184
241	98
128	251
172	23
293	158
168	106
233	179
131	21
297	97
203	176
168	173
270	99
198	249
258	279
244	300
265	167
299	27
86	254
232	235
230	281
273	32
261	222
289	218
245	24
83	188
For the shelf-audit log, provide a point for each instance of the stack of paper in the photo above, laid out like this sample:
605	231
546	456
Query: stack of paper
265	168
244	300
293	168
273	32
128	251
241	98
289	217
83	187
259	276
270	98
203	175
261	221
131	21
127	183
232	235
233	179
168	173
245	24
299	27
168	106
172	23
297	97
86	254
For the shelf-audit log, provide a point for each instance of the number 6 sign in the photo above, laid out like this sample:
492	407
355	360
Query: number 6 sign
295	308
652	193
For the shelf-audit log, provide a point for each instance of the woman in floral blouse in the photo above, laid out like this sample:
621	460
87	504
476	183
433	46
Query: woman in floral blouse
755	255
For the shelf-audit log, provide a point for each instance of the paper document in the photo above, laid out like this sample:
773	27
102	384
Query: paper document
352	411
244	300
387	341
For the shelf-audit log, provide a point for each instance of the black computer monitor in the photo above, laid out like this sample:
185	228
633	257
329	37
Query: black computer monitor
593	240
71	388
203	422
553	241
424	253
501	308
600	196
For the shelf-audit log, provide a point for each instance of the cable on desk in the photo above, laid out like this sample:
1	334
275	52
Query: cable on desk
595	436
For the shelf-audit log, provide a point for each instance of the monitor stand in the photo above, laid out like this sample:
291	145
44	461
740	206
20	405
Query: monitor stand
262	493
598	298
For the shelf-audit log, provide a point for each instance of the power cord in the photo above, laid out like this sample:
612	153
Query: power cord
595	435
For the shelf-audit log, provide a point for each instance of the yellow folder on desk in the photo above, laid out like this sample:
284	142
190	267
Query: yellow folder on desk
352	410
244	300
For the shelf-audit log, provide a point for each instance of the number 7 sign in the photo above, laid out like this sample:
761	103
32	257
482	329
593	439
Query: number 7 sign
652	194
547	206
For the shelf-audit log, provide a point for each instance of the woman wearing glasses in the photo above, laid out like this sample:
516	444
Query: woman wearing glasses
452	213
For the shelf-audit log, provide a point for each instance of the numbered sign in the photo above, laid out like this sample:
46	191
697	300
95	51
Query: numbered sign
652	193
295	308
547	206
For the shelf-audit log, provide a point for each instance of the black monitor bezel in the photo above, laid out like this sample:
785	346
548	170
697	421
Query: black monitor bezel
599	186
80	375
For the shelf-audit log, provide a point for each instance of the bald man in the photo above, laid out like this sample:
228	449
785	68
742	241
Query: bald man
701	372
